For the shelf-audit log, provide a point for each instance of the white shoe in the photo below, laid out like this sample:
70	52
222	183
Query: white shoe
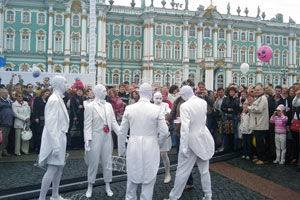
247	157
243	157
58	198
281	162
276	161
109	192
89	193
167	178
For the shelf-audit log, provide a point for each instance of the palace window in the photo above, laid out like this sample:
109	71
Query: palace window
177	79
58	43
250	81
76	20
158	51
41	19
221	34
127	51
136	78
235	56
221	53
158	30
298	59
220	81
75	47
276	81
276	59
192	31
251	37
177	32
297	42
107	29
25	41
284	41
207	51
243	36
107	48
10	16
284	59
116	29
243	81
9	42
116	79
127	30
235	36
192	51
25	17
158	80
177	51
137	31
168	51
243	56
207	33
276	40
168	30
126	78
235	80
268	40
40	43
59	20
116	50
137	51
192	77
251	57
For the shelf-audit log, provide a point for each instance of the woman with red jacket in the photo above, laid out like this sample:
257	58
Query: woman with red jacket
117	104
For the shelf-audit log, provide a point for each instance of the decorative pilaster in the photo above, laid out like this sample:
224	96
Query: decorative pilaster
50	30
209	73
185	51
103	49
83	66
259	73
83	32
67	30
49	64
228	74
229	42
200	43
67	65
294	59
146	54
99	46
290	68
215	41
258	43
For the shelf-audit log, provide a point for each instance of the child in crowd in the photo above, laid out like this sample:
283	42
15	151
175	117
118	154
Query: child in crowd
247	133
279	119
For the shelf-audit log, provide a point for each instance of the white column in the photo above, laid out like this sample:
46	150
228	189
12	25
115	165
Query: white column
215	45
67	31
151	27
258	42
290	51
50	63
229	42
259	73
185	51
83	32
103	36
1	29
50	31
67	65
198	71
99	51
294	59
209	77
99	71
228	74
83	66
200	43
145	76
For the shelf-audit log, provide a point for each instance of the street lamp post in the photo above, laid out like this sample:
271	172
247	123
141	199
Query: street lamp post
167	65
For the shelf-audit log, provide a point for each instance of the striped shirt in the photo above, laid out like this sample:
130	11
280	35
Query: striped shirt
280	123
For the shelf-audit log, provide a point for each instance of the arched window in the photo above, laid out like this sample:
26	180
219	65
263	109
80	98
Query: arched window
137	78
235	80
207	50
177	32
243	36
76	20
41	18
177	51
137	31
75	46
177	79
276	58
158	79
10	16
168	80
207	33
276	81
168	30
126	77
221	34
250	81
192	31
127	51
58	42
127	30
25	41
268	40
251	56
26	17
116	29
221	53
9	40
235	55
137	51
284	58
298	58
251	37
58	19
243	55
220	81
116	50
243	81
158	30
168	51
235	36
192	51
41	42
158	50
116	79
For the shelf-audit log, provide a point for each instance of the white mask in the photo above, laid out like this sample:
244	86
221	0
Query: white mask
157	98
186	92
100	93
145	91
59	84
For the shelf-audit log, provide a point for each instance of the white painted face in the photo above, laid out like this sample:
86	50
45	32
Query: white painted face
157	98
100	92
186	92
59	84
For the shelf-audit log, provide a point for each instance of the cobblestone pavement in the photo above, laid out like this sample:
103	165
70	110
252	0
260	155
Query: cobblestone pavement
223	189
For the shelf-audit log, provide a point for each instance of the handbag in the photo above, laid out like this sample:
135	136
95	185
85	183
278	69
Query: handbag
26	134
296	123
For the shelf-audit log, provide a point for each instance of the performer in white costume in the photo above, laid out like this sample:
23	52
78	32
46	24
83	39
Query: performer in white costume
196	144
167	145
145	122
54	141
99	120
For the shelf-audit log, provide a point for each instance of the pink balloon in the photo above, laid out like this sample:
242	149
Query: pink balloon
264	53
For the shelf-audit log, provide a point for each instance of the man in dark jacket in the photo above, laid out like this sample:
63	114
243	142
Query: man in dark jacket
123	94
6	120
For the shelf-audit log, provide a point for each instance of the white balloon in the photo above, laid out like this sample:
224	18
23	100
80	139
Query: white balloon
244	68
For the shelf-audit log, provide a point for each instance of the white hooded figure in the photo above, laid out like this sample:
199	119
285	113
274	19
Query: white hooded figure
54	140
148	129
167	145
99	121
196	144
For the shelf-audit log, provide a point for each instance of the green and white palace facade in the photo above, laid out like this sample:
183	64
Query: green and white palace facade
148	44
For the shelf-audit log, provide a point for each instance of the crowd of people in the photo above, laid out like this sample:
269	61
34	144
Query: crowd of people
254	119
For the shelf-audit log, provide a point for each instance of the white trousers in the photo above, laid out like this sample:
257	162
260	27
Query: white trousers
184	169
101	150
147	190
20	145
280	142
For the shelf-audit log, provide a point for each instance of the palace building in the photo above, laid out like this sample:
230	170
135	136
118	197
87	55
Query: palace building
149	44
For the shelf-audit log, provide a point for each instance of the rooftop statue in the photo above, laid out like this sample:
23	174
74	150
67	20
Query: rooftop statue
258	12
228	8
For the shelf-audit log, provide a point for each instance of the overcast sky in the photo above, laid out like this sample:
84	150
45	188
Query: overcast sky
270	7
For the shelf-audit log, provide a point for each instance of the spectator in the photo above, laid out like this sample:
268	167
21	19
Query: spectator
22	117
32	94
6	120
243	97
279	119
26	96
296	140
17	87
134	97
46	83
290	152
231	109
39	117
218	118
117	104
173	93
208	96
247	133
165	99
250	99
284	92
259	123
123	95
78	84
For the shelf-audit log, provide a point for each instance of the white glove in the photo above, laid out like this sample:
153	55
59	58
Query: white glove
55	152
87	146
